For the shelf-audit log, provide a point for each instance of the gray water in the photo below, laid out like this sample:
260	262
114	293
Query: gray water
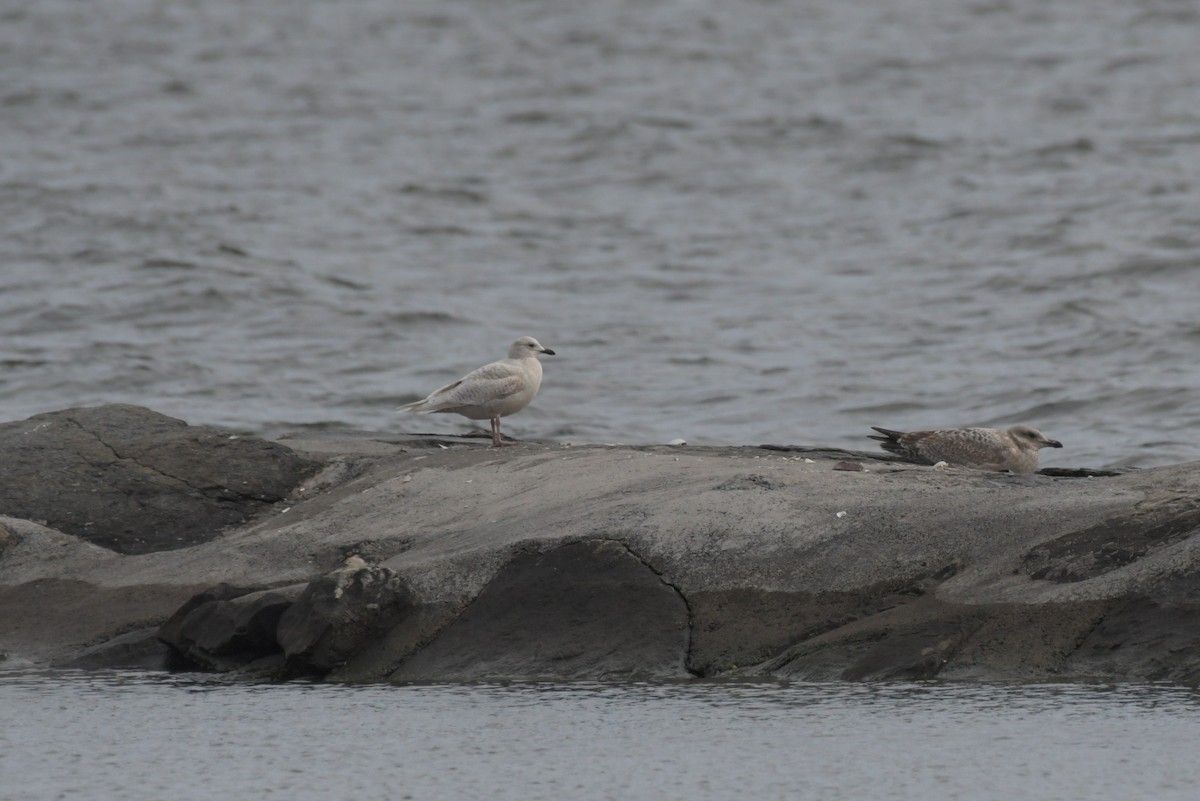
736	222
148	736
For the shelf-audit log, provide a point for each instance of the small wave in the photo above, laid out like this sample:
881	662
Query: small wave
692	361
1174	241
454	193
167	264
1157	266
673	123
1079	145
532	117
716	399
403	318
890	407
1122	63
438	230
896	152
654	284
345	283
1040	411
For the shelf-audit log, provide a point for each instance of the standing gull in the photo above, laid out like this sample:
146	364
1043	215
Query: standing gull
1015	450
493	391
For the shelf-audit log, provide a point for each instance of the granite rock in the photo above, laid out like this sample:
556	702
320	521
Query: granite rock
547	561
135	481
339	613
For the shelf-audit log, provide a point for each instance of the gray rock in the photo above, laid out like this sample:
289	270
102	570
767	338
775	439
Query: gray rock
1122	539
590	562
7	538
227	627
136	481
583	610
140	649
339	613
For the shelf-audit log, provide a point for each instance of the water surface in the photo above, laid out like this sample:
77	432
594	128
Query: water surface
135	735
736	223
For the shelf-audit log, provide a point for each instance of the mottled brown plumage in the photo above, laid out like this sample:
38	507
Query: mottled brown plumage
1015	449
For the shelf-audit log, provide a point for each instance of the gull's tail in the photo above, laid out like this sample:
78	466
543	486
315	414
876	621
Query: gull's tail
414	407
435	401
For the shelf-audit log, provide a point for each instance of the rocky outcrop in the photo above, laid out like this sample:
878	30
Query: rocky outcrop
539	561
227	627
340	614
302	629
582	610
135	481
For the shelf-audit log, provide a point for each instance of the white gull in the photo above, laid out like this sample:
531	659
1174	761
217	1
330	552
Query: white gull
493	391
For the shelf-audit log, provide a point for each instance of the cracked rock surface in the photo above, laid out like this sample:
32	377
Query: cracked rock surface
582	610
135	481
549	561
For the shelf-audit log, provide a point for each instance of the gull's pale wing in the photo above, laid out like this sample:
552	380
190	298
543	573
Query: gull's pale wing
491	382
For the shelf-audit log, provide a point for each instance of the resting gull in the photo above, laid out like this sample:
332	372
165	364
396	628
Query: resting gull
493	391
1015	450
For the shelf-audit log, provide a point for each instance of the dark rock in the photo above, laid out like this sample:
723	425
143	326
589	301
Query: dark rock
227	627
1078	472
909	643
172	630
1030	642
1118	541
742	627
380	655
1143	640
6	538
339	613
752	481
58	619
136	481
584	610
140	649
1139	639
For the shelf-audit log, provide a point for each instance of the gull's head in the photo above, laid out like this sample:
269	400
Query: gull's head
1030	437
527	348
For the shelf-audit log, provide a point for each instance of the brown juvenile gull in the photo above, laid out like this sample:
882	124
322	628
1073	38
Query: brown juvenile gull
493	391
1015	450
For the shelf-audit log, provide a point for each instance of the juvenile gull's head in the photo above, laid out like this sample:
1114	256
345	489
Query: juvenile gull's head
1028	437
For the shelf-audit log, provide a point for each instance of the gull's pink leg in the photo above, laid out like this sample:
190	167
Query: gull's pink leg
497	441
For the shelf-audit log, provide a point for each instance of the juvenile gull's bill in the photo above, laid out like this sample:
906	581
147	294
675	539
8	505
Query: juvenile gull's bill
493	391
1015	449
